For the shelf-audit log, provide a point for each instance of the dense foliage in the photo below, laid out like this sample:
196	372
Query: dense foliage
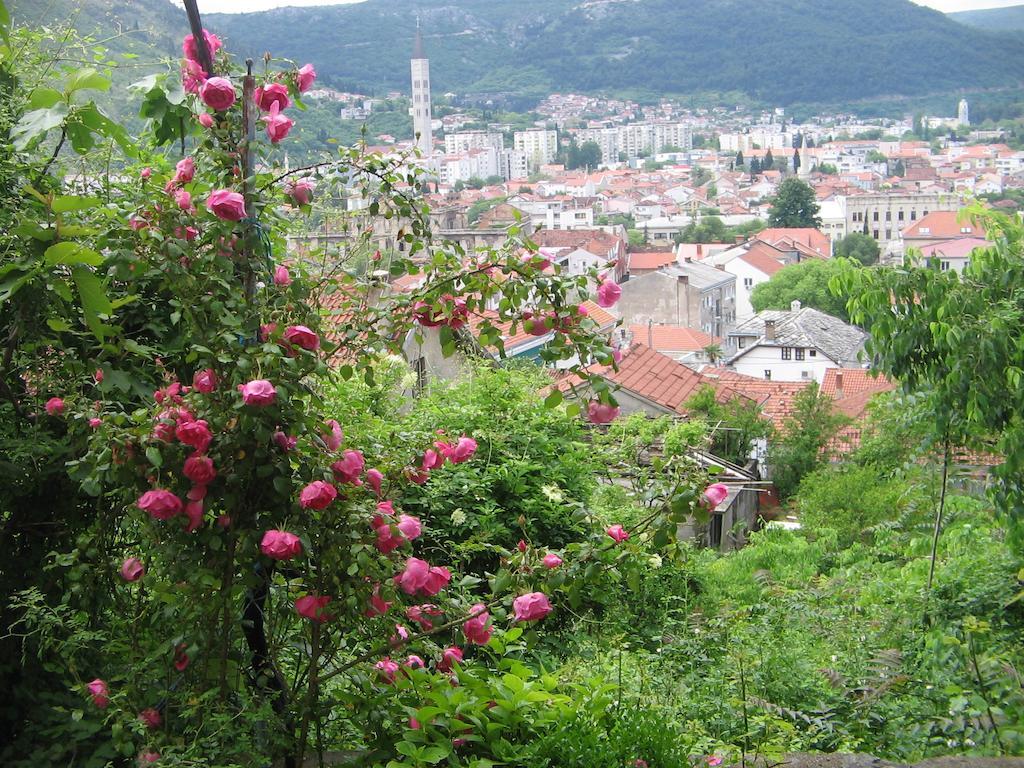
794	205
807	282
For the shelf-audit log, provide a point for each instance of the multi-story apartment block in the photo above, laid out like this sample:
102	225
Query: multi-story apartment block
540	146
464	141
883	216
636	139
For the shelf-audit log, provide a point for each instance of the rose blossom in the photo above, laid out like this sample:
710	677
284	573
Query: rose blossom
414	662
160	504
149	757
205	120
301	336
451	655
334	437
716	493
431	460
217	93
145	173
278	125
531	606
54	406
196	493
409	526
95	422
317	495
280	545
313	607
191	50
599	413
300	192
275	93
132	569
387	669
551	560
618	533
375	479
181	659
204	381
199	469
464	450
258	392
284	441
476	629
183	199
184	171
419	613
195	434
100	693
348	469
150	717
608	293
378	605
420	577
194	513
305	77
226	205
282	278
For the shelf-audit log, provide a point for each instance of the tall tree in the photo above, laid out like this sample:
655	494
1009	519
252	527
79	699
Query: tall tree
794	205
796	161
769	160
806	282
755	167
739	160
858	246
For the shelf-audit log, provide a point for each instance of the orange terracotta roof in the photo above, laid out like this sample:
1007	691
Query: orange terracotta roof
775	397
855	382
762	259
651	260
809	236
674	338
656	378
943	225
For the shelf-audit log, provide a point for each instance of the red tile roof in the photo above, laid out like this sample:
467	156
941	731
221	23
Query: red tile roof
943	225
774	397
761	257
654	377
855	382
674	338
814	239
651	260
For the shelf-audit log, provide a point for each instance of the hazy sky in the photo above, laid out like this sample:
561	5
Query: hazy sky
237	6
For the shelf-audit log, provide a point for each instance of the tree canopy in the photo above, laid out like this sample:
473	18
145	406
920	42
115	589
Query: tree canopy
794	205
859	246
807	282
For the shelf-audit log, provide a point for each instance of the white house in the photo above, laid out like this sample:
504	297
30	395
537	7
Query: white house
795	345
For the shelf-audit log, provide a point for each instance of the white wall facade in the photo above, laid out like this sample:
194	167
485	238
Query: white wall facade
763	358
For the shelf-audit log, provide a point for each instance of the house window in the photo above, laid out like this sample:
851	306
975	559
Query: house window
900	216
748	283
787	353
767	374
875	234
888	234
888	215
741	343
813	353
799	353
875	216
913	215
945	266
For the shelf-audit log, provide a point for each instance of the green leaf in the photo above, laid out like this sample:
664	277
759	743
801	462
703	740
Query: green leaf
553	399
67	203
44	98
154	456
5	22
72	253
94	300
87	79
36	124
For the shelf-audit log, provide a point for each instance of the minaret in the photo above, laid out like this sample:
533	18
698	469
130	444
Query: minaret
963	114
420	111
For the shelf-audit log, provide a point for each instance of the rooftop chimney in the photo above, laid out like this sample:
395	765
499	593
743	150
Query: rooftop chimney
700	250
769	330
794	305
839	385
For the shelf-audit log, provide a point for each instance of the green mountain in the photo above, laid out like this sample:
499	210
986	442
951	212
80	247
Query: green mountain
996	19
776	51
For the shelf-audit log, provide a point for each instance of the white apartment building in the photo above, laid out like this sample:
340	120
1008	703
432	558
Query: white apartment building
636	139
464	141
513	164
884	216
540	145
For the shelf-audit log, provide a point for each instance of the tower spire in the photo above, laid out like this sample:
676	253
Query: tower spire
417	48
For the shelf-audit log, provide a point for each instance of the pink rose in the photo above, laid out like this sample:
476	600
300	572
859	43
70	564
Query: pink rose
145	173
196	493
271	95
184	171
195	434
132	569
451	655
305	77
284	442
401	635
431	460
267	330
378	605
159	504
95	422
217	93
226	205
608	293
199	469
313	607
475	629
386	542
280	545
531	606
186	233
713	760
599	413
521	545
301	336
54	406
348	469
464	450
334	437
205	381
409	526
183	199
301	192
181	659
194	513
98	376
100	693
278	125
414	576
551	560
151	718
258	392
437	579
282	278
419	614
191	50
317	495
414	662
618	533
148	757
192	77
375	479
715	494
206	120
387	669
